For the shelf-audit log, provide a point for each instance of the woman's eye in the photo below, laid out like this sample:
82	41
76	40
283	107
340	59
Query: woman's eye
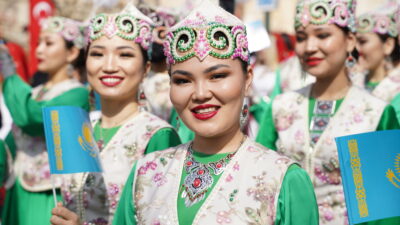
323	36
126	55
49	43
95	54
180	81
300	38
218	76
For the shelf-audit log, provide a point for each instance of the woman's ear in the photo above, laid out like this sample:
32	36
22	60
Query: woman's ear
249	80
388	46
351	42
73	54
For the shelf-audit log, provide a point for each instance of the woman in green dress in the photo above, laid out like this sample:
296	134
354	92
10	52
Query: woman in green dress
221	176
302	124
30	200
116	64
379	52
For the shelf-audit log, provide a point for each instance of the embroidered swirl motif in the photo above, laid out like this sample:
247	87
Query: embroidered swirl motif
217	40
69	29
124	26
318	12
381	24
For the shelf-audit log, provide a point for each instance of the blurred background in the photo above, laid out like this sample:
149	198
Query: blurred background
277	16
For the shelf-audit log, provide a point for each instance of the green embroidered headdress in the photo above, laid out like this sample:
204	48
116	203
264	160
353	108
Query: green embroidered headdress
69	29
207	30
317	12
381	21
129	24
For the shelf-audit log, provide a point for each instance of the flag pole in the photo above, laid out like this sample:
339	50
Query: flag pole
54	190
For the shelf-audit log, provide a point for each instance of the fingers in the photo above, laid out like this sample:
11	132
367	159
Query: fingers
63	216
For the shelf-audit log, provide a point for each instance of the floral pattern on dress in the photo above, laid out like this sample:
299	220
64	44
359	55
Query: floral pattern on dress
118	157
359	112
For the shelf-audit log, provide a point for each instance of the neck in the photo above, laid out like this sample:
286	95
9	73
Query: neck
331	88
160	67
377	74
57	77
115	113
221	144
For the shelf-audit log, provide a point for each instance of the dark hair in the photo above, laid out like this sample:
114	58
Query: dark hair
157	53
394	55
79	62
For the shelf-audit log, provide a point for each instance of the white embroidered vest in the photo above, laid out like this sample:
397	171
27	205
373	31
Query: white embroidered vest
387	89
94	196
359	112
31	163
255	174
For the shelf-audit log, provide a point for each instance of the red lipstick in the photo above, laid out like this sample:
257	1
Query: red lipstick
313	61
111	81
205	112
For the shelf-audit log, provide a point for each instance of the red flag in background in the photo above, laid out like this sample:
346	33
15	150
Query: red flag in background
38	10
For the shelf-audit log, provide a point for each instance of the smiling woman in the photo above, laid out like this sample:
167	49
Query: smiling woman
59	52
116	64
303	124
221	176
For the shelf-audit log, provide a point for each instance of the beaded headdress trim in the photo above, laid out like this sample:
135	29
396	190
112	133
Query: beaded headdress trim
207	30
382	21
130	25
318	12
69	29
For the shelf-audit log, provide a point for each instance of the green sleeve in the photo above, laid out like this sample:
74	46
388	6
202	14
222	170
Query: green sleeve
125	214
297	204
267	134
27	113
10	142
258	110
396	105
388	119
3	162
277	88
163	139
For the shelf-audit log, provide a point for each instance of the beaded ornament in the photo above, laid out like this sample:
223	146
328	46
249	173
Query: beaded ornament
318	12
130	24
381	21
207	30
69	29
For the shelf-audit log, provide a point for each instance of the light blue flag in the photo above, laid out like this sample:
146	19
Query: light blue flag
370	169
69	138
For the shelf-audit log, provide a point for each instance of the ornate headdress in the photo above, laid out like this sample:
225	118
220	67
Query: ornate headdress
162	18
129	24
339	12
69	29
381	21
207	30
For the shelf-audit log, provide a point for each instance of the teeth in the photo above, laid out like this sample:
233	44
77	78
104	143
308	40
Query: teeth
111	80
207	110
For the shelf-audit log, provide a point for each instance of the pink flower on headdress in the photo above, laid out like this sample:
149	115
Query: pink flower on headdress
201	47
241	50
144	37
167	50
70	31
219	19
110	28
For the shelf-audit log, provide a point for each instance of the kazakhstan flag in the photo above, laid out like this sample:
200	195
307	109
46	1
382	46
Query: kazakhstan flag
69	138
370	169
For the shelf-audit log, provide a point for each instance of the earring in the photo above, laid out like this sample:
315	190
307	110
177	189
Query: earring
70	70
142	100
244	116
350	61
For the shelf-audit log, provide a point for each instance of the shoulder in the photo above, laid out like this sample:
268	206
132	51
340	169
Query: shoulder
365	96
169	153
257	151
155	120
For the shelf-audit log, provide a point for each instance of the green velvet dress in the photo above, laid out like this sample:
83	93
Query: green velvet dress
22	206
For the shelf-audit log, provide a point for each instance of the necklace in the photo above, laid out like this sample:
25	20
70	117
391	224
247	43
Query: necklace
199	178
